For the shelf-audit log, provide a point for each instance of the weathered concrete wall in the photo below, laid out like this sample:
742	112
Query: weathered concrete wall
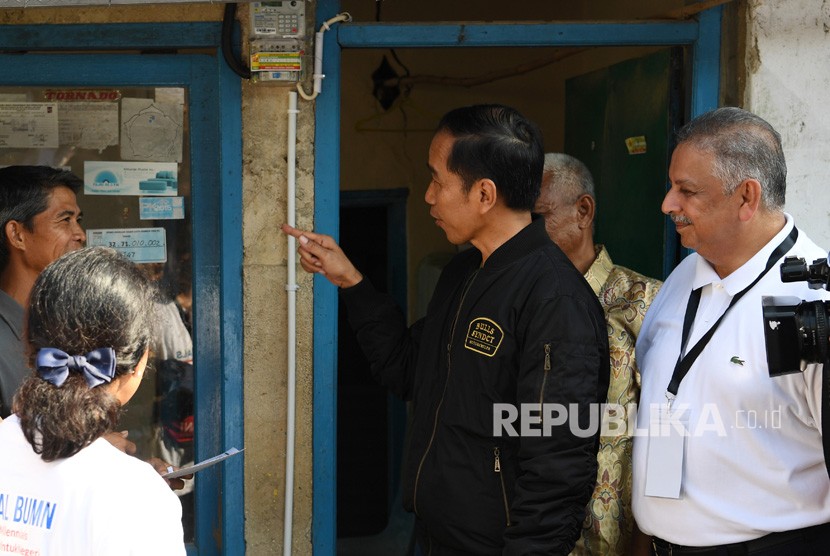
787	80
112	14
265	144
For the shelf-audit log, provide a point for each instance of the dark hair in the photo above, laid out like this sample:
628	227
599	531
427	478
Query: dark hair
744	146
24	193
496	142
87	299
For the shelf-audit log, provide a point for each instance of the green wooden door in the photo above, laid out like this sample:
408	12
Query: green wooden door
631	101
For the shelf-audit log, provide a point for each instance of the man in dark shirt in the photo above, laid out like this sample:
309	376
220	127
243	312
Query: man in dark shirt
509	362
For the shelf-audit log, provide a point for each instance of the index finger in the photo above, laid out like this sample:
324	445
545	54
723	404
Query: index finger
290	230
297	233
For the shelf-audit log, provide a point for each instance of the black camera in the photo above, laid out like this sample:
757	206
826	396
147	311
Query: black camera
796	331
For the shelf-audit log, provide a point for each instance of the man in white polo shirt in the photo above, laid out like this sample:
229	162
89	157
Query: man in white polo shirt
728	460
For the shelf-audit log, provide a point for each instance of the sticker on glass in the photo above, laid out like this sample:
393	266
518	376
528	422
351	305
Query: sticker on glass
140	245
161	208
130	178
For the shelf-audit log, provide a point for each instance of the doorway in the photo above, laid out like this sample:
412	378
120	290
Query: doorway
490	42
370	421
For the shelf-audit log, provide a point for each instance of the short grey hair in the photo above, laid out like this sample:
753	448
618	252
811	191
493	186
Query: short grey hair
567	177
744	146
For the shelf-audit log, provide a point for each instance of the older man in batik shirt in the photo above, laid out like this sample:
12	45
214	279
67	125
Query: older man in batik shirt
568	206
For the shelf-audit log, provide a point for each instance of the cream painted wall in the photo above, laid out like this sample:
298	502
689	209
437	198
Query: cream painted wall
786	84
388	149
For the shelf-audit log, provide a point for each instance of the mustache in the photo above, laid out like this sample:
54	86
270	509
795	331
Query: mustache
678	219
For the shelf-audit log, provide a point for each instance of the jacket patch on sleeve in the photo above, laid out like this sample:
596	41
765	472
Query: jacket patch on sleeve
483	336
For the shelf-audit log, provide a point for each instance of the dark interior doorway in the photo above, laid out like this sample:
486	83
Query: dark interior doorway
371	422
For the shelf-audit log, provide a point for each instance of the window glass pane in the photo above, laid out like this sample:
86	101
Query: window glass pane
131	148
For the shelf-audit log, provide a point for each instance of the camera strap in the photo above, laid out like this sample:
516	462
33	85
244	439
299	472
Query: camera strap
686	360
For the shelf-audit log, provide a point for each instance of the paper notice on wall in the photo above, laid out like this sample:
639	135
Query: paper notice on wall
130	178
88	125
140	245
151	130
28	125
169	95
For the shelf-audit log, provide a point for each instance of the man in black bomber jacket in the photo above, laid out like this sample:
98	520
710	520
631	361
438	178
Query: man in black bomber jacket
511	322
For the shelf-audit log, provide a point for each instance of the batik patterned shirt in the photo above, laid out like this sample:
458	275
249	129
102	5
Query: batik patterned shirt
625	296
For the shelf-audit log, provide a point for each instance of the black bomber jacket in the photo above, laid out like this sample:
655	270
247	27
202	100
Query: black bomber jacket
524	328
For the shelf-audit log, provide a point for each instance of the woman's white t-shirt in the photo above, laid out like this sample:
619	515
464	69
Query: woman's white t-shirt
98	502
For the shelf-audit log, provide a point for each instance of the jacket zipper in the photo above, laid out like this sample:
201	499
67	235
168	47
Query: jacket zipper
497	469
443	392
544	376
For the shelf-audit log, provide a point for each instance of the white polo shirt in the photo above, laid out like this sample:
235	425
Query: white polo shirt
753	461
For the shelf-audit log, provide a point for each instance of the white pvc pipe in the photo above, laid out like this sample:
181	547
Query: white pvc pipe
318	57
318	63
291	289
291	283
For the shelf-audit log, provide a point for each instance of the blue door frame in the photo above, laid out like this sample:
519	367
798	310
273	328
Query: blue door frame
216	153
703	35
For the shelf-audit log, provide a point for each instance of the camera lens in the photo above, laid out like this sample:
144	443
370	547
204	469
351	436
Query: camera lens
812	320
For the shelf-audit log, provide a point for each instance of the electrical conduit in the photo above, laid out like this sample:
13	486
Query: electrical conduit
291	282
291	289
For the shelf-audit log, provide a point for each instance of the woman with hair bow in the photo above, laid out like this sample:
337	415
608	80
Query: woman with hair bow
65	490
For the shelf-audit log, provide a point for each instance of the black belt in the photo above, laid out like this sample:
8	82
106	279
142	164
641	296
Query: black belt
767	542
